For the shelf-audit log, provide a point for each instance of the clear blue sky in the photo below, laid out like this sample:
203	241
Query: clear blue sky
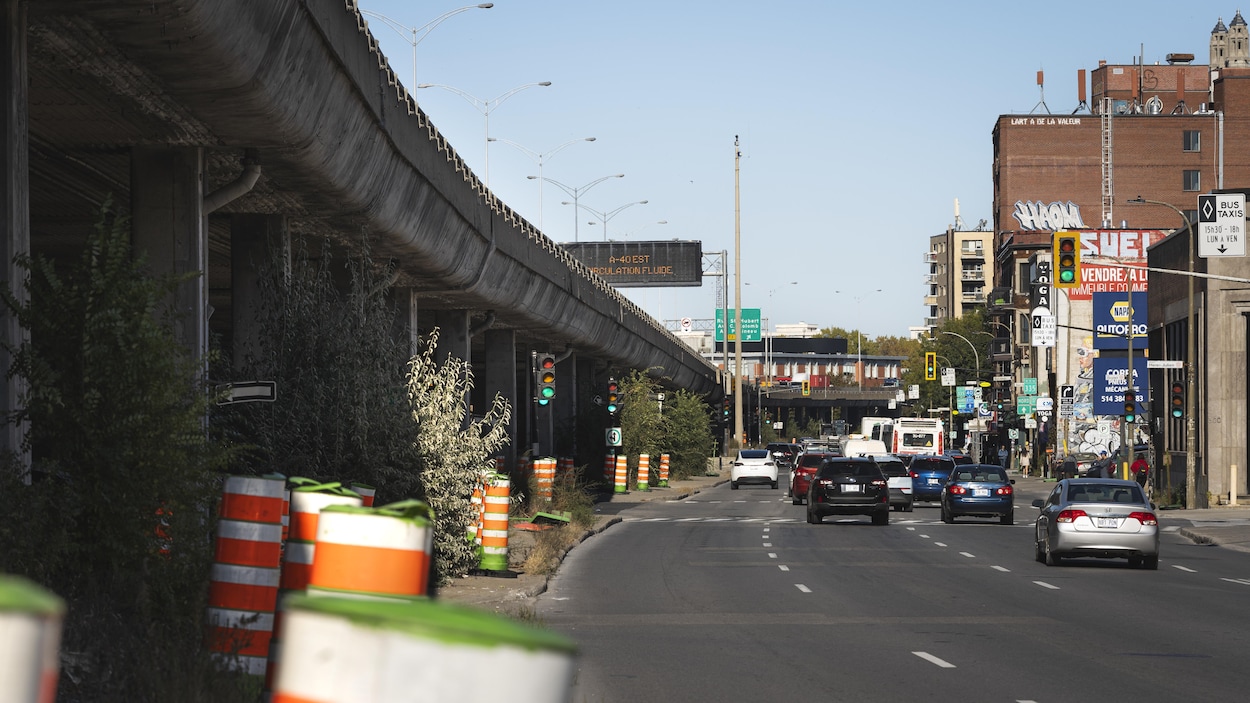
859	124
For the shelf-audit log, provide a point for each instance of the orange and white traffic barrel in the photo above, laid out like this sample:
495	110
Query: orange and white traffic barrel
374	551
308	501
544	478
621	484
495	524
237	587
248	543
253	498
565	468
366	493
609	466
663	471
501	464
339	650
30	641
473	530
644	472
241	639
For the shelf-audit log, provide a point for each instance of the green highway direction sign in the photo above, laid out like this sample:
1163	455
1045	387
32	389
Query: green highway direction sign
750	325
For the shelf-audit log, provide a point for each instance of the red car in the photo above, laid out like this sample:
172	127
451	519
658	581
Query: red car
801	474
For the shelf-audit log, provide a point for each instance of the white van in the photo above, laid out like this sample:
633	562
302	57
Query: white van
857	446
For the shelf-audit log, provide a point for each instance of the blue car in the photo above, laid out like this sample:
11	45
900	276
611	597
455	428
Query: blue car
928	475
980	490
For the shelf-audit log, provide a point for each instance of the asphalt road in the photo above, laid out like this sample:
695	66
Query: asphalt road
732	596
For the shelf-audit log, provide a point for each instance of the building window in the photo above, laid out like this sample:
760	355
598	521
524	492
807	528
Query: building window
1192	180
1192	140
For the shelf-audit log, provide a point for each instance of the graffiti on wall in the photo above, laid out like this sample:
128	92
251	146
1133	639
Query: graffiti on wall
1053	216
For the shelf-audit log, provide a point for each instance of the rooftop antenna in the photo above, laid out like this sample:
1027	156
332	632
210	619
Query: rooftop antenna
1080	91
959	221
1041	89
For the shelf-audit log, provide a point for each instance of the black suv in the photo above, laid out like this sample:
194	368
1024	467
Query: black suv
849	486
783	453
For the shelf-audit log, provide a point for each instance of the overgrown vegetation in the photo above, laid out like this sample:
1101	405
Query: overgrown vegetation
679	425
452	451
116	419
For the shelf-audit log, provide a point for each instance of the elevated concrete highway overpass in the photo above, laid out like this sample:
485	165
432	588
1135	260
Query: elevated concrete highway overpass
225	126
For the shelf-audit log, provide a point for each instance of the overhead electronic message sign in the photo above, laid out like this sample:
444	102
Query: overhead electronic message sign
642	264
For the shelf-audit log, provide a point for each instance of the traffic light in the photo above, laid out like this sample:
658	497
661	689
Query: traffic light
546	378
1066	250
727	406
1178	399
807	387
614	397
998	400
1130	410
930	366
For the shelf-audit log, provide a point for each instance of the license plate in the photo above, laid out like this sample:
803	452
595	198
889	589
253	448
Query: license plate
1107	522
851	488
980	492
933	481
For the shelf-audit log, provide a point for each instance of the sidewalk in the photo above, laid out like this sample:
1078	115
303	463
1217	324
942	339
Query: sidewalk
1225	526
510	594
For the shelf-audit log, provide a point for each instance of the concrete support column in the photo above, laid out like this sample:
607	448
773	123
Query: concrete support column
406	328
14	210
564	415
500	377
256	242
453	335
167	219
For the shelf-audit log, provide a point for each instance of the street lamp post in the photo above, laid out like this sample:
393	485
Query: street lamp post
976	446
539	158
424	30
486	107
575	193
605	216
1191	363
639	229
859	340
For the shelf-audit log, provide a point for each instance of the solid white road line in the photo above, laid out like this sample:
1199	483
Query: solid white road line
802	588
1178	566
934	660
1043	584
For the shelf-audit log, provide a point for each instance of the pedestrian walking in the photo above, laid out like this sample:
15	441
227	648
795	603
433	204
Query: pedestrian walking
1140	469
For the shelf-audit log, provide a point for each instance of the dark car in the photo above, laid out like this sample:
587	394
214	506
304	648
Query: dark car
980	490
801	475
928	474
959	457
784	453
849	486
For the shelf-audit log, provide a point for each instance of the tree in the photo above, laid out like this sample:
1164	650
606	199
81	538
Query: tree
454	453
642	425
687	433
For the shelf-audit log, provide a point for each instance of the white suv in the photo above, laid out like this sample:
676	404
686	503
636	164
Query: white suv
753	466
898	478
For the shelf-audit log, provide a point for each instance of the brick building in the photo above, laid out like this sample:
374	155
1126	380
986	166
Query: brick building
1164	133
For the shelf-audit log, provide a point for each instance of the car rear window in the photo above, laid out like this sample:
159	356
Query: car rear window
1105	493
892	468
938	465
980	473
859	469
812	460
754	454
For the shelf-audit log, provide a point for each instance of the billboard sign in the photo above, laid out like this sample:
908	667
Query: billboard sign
642	264
1111	320
1110	386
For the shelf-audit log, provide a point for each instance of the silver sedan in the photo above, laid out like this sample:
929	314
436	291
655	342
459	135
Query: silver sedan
1095	517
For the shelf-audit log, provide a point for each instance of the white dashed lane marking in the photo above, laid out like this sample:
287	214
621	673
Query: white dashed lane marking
1003	568
973	556
934	660
803	588
1178	566
1043	584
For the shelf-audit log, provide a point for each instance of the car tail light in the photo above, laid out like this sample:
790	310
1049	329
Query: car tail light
1144	518
914	474
1003	491
1069	515
957	490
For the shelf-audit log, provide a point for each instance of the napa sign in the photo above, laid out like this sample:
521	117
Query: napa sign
1112	313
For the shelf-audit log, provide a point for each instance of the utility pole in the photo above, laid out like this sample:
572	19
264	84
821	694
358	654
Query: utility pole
738	426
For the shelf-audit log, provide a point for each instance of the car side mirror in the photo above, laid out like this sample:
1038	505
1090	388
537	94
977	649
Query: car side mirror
1037	503
1153	506
1013	481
